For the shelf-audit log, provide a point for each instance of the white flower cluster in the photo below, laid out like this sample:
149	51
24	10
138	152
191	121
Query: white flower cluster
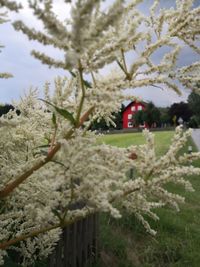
83	177
53	171
189	76
97	37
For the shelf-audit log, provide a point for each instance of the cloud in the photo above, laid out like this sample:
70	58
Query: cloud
16	58
159	97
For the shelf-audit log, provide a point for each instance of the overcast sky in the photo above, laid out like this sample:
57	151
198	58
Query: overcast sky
16	59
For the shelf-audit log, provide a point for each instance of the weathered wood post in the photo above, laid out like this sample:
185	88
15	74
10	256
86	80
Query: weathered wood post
78	246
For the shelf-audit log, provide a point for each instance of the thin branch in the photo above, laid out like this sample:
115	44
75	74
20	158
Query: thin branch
121	66
14	184
126	193
93	78
10	242
86	116
53	138
80	69
124	60
157	86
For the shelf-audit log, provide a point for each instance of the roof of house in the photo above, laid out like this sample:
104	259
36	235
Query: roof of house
142	102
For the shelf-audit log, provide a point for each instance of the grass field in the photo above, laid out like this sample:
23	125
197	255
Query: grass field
162	140
124	242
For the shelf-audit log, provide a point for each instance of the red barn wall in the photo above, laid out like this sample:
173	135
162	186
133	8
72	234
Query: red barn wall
131	109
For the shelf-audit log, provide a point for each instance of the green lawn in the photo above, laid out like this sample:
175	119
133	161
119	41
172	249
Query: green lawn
162	140
124	242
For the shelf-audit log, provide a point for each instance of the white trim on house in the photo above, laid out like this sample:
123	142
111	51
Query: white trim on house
130	124
130	116
139	107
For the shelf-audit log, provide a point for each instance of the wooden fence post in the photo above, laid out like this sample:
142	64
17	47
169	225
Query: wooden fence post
78	246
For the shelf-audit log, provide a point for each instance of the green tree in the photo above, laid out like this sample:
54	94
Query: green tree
164	115
150	115
182	110
194	103
4	109
138	117
117	119
194	121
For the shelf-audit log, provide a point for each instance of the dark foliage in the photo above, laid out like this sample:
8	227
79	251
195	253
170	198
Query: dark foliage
150	115
4	109
164	116
101	125
180	110
194	103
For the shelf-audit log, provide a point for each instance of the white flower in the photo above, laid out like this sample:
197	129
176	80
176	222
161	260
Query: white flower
53	169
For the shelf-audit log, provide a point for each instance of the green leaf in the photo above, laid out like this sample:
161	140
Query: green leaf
72	73
42	146
41	152
60	163
63	112
121	66
66	114
87	84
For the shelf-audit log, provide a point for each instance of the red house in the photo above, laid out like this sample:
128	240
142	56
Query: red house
128	113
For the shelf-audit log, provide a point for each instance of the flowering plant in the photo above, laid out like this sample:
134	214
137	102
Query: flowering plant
53	170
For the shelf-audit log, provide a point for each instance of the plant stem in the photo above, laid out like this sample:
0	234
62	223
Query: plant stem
86	116
126	193
10	242
14	184
93	78
53	138
72	188
124	66
124	61
80	69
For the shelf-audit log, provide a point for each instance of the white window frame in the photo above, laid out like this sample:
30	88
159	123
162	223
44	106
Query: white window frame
130	124
139	107
129	116
133	108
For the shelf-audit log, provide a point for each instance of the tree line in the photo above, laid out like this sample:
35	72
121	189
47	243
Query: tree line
154	116
189	112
